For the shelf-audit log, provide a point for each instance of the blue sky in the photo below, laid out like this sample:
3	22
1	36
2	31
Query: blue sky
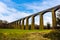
12	10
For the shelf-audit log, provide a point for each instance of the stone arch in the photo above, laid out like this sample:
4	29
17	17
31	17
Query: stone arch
57	11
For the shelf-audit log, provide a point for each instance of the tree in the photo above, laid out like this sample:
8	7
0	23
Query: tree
3	24
48	25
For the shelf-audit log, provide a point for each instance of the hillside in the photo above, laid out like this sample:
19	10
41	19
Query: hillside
16	34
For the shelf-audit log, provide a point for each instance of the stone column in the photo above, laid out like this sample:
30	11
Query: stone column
13	25
41	27
53	19
19	24
9	25
27	26
22	24
32	24
16	23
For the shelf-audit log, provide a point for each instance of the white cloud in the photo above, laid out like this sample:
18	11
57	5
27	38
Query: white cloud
44	2
11	13
39	6
2	7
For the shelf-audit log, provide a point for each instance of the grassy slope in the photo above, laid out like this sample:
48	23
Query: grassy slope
17	33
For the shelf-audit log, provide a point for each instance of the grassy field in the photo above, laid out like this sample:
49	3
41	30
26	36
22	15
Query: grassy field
17	34
21	31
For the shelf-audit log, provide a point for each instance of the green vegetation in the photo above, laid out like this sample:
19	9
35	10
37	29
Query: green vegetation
18	30
16	34
53	35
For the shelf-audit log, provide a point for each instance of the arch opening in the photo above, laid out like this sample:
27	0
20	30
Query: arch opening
47	20
30	20
37	22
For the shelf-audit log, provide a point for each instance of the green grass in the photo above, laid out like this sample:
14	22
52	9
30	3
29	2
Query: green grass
21	31
17	33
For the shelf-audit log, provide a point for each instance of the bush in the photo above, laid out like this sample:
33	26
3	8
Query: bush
53	35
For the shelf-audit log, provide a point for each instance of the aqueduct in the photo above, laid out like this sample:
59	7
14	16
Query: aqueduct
20	23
